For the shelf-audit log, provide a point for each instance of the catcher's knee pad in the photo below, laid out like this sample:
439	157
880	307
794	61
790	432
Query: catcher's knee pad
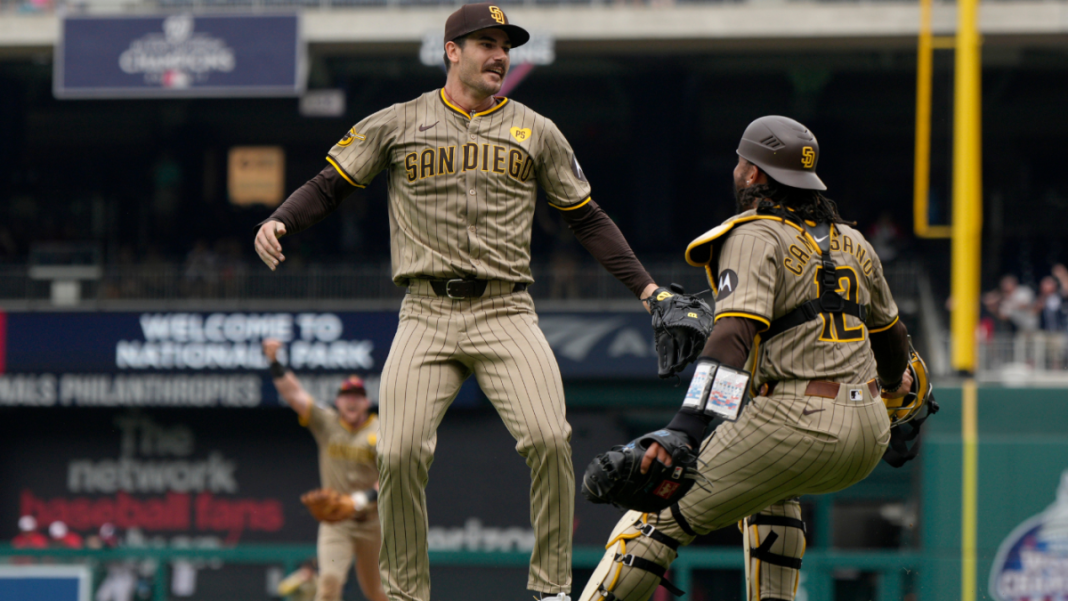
776	545
638	554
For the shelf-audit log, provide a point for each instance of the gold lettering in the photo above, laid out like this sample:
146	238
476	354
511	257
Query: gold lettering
426	163
446	162
867	266
847	244
515	163
470	156
498	159
528	169
485	157
794	269
409	166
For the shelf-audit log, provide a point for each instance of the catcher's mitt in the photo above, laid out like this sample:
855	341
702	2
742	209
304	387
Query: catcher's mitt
681	325
328	505
615	477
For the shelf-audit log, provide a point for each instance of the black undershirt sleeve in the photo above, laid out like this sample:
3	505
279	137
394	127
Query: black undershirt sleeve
728	344
891	350
312	202
602	238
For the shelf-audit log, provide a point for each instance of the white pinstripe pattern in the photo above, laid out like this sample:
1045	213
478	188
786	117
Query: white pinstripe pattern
773	452
439	343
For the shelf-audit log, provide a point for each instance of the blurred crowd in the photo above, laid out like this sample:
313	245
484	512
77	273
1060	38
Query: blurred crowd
1016	307
1026	327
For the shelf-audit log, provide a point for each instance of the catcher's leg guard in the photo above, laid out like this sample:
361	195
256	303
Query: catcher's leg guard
777	538
638	554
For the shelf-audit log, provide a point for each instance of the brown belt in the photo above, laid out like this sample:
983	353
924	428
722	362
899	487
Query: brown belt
460	288
821	388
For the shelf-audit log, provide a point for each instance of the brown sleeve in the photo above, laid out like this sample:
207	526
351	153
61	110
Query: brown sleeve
731	340
891	350
312	202
602	238
729	344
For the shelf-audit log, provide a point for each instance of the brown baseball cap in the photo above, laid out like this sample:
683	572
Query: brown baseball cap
473	17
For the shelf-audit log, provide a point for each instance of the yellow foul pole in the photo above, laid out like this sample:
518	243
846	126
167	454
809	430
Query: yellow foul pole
967	188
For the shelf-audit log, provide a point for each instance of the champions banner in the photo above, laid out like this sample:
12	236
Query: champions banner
179	56
214	359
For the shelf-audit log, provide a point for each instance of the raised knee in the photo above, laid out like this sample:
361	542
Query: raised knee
329	588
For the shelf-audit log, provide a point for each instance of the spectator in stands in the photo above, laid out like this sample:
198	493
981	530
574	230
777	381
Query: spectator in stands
63	537
28	536
1049	306
1011	305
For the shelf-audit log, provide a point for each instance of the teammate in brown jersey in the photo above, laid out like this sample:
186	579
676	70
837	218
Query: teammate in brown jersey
464	168
346	437
815	422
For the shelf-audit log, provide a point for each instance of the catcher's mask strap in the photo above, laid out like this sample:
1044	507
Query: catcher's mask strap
681	520
656	570
650	531
763	553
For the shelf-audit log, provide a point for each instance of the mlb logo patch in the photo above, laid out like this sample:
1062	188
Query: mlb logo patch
856	394
677	473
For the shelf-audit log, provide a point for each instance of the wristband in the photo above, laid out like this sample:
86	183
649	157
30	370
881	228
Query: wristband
892	387
717	390
361	499
277	369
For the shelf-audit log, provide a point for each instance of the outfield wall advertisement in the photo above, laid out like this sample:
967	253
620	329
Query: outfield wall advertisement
213	359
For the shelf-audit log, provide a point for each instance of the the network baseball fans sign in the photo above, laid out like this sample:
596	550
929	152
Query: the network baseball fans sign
180	55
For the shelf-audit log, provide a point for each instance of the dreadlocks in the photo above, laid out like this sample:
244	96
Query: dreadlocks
774	198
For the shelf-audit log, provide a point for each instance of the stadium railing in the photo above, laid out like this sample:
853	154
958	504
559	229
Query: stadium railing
820	565
315	282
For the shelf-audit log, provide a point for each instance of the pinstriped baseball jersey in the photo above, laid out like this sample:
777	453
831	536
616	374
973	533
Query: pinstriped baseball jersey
346	456
767	267
462	187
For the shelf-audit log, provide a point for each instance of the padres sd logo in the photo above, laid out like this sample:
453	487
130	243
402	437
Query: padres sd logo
498	15
808	157
349	137
663	295
521	134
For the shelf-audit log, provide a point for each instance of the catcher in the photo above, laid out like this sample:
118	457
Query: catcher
804	378
346	506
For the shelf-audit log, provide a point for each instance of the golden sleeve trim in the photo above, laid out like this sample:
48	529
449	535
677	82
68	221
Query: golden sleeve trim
572	207
884	328
342	172
762	320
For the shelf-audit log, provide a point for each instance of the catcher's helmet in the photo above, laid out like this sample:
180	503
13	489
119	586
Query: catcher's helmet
905	409
908	413
784	149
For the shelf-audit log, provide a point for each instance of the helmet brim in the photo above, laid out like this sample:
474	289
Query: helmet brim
806	180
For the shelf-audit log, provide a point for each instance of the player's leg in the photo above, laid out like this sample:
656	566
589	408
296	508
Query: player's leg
419	381
366	545
335	557
517	370
777	543
745	466
636	558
